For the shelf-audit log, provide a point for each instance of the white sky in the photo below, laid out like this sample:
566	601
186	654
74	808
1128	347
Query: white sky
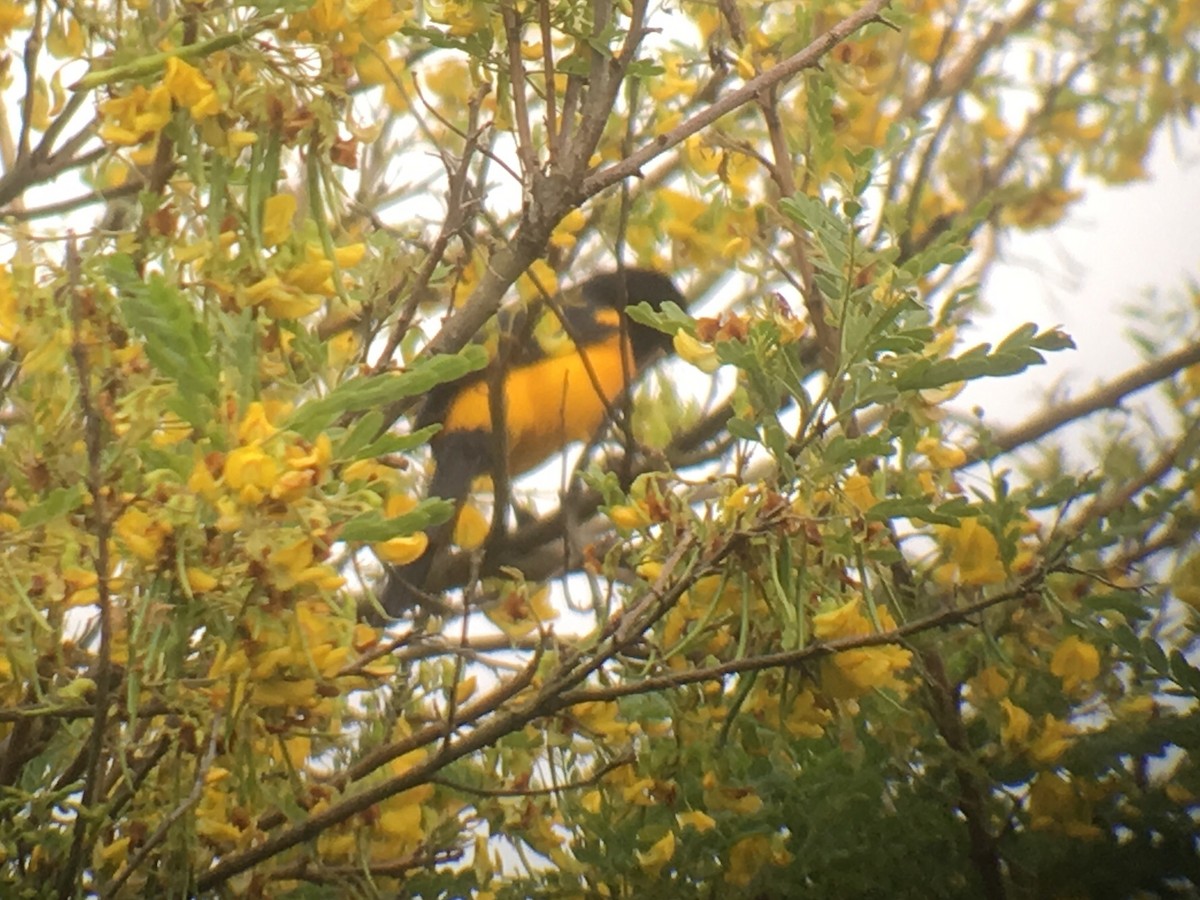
1083	274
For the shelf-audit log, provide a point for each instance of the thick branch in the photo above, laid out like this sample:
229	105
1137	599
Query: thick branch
1107	396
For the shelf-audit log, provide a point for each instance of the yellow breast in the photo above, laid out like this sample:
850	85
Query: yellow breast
548	404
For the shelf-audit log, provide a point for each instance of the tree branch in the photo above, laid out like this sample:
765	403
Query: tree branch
944	701
1107	396
793	658
805	59
101	528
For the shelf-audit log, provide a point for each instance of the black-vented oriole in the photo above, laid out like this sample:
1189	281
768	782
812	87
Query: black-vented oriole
564	366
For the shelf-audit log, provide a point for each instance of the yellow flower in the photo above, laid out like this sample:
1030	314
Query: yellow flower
138	115
592	801
1017	723
342	348
858	491
255	425
465	689
291	486
112	855
171	430
751	855
251	473
852	673
630	516
842	621
1056	804
471	528
1075	663
201	480
518	612
741	801
1053	741
654	859
698	353
81	586
942	456
368	470
801	713
349	255
400	551
278	212
564	235
230	516
989	684
462	16
313	276
295	565
973	554
200	581
688	222
602	719
190	89
316	457
701	821
402	824
9	308
143	535
537	278
239	139
281	301
12	16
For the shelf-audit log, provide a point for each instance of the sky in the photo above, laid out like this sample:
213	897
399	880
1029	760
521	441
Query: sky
1083	274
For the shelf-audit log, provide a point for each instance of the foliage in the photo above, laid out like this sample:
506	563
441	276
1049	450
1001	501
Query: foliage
833	638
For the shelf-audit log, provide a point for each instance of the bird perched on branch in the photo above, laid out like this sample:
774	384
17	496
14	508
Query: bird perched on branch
565	363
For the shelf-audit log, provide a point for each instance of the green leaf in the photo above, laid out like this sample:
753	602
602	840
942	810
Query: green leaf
1155	656
744	430
361	435
1129	604
1053	340
1185	674
57	503
1017	352
841	449
398	443
911	508
1124	637
667	319
359	394
372	526
911	341
176	341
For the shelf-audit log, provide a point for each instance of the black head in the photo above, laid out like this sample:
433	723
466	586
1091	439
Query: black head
629	287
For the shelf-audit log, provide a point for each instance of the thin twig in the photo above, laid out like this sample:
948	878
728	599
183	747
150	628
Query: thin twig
793	658
101	528
625	759
526	152
33	46
160	833
805	59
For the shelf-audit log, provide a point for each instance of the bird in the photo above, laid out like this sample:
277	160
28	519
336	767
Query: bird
564	363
